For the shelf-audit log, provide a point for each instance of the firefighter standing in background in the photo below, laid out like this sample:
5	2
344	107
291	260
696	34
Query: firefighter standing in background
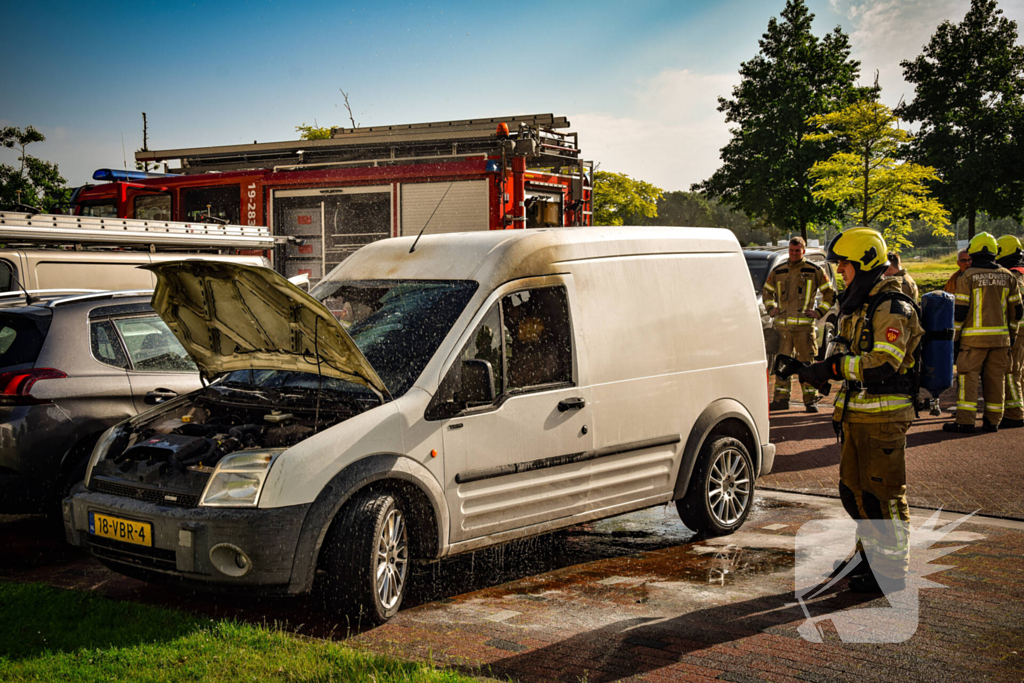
986	312
878	334
1011	257
789	294
906	282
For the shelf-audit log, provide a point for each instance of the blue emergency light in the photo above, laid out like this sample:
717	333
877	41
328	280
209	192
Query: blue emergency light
117	175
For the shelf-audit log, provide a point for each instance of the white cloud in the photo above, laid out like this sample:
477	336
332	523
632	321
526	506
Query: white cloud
885	32
672	138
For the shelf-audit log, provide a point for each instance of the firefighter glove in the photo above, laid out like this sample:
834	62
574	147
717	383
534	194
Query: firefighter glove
819	374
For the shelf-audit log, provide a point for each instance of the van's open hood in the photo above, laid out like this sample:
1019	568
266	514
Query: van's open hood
231	316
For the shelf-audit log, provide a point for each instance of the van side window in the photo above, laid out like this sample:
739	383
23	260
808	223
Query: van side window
7	276
106	348
538	337
485	345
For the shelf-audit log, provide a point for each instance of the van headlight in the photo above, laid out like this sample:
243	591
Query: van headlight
238	479
102	447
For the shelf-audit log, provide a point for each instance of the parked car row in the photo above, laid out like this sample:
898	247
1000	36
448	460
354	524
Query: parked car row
421	401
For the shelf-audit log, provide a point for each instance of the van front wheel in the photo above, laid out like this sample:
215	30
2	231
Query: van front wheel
367	558
721	490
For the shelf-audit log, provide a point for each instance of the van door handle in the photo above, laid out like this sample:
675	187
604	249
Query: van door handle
159	396
570	404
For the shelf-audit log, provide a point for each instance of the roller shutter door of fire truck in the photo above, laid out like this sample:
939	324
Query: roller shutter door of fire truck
331	223
465	207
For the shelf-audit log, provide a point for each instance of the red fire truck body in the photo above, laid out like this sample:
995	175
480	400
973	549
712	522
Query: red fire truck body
369	184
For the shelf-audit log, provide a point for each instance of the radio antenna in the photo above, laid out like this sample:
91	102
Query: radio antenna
413	247
28	297
320	376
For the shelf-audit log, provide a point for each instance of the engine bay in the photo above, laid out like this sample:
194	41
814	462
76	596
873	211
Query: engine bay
175	451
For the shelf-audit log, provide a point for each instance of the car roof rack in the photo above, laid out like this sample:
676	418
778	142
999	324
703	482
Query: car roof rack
127	233
95	296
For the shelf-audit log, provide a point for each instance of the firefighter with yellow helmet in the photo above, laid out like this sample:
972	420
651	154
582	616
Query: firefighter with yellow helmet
879	331
985	317
1011	257
789	293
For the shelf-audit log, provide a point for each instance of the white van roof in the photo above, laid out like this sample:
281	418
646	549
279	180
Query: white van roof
498	256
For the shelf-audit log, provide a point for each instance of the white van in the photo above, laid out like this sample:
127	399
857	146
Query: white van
479	388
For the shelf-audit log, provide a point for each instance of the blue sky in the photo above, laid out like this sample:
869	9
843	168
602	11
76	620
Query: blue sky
637	79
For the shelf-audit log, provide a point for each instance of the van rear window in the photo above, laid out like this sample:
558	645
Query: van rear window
21	337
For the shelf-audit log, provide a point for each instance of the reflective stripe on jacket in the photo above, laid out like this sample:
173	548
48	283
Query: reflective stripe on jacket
792	288
987	308
896	333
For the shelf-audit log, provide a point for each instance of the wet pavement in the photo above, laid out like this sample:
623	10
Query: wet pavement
636	597
960	472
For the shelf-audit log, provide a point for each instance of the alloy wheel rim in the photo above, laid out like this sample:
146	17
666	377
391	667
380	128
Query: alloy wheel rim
729	487
392	560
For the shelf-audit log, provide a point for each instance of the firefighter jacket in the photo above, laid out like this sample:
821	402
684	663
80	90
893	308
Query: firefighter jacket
1018	274
792	288
988	307
878	371
908	284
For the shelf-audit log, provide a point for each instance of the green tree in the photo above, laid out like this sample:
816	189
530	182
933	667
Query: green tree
765	165
619	199
869	179
969	101
313	132
692	209
36	183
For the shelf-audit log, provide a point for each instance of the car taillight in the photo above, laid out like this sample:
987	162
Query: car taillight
16	387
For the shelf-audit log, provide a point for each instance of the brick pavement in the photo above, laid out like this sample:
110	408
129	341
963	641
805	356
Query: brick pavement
963	473
636	598
718	610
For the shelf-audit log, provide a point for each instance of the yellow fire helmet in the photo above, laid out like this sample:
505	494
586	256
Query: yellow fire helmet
863	247
1008	246
983	243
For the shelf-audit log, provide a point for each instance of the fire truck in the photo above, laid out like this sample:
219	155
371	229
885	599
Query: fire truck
323	199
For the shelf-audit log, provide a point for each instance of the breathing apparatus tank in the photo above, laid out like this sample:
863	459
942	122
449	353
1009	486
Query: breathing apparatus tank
937	345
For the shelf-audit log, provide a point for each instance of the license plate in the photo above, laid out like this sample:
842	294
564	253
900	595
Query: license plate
124	530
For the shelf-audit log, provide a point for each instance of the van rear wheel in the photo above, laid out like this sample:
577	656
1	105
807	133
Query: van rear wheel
366	556
721	490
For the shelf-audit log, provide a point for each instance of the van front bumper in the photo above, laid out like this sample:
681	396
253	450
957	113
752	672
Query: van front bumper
204	547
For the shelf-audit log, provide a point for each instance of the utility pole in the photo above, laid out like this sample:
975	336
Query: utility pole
145	141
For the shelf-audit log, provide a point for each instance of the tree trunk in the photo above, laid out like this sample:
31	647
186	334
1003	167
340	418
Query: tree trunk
971	216
867	170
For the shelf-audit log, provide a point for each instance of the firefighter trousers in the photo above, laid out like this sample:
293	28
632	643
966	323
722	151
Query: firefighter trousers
800	343
873	490
1014	384
989	366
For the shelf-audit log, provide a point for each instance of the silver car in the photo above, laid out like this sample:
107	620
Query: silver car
70	368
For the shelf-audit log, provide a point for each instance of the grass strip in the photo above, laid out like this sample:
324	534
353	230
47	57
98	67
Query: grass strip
51	634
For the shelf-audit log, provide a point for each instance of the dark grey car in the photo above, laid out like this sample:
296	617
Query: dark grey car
70	368
763	260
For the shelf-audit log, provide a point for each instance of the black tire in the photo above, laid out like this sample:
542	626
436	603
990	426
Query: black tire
721	490
371	527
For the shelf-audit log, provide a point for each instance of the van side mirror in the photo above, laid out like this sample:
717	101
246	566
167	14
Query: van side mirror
477	383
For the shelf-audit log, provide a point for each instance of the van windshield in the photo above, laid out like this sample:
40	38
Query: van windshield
397	324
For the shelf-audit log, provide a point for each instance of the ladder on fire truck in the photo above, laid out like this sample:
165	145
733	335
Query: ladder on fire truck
19	229
536	137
